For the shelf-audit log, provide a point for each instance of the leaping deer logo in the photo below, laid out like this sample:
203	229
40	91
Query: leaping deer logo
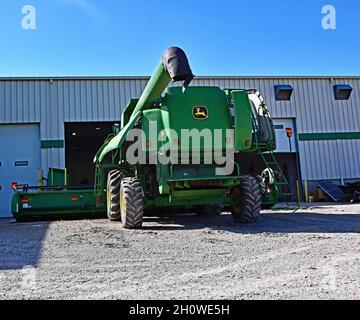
200	113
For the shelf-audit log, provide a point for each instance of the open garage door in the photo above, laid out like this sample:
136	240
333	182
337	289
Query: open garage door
82	142
19	160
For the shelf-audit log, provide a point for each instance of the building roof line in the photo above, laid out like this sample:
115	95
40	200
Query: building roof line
48	78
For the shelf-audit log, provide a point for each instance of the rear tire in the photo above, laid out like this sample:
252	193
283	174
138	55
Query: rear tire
131	203
246	201
113	195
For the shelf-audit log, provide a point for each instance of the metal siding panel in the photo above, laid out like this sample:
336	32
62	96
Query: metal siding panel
93	99
107	100
270	98
37	101
301	120
351	145
327	161
348	155
112	101
334	157
345	112
73	111
319	161
25	101
2	101
49	113
43	108
60	134
70	110
308	106
122	95
341	153
116	106
99	101
82	104
87	107
14	107
311	150
323	119
312	104
58	104
354	104
304	159
356	159
67	101
89	101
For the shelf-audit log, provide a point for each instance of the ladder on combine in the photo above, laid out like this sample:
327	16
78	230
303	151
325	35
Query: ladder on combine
265	147
277	174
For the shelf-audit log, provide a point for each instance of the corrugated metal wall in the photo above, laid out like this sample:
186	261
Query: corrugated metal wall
53	102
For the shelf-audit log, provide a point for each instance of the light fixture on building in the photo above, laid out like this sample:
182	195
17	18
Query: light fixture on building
289	132
283	92
343	92
74	134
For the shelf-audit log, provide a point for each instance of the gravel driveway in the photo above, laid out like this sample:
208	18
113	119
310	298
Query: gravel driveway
314	253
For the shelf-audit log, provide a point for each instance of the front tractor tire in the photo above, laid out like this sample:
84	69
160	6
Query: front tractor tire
113	195
246	201
131	203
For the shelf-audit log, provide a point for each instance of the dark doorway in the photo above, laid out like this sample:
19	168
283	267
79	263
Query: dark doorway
82	141
253	165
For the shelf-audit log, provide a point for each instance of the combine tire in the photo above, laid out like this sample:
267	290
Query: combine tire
131	203
247	201
113	195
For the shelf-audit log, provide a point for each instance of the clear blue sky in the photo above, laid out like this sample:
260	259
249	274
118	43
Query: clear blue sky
222	37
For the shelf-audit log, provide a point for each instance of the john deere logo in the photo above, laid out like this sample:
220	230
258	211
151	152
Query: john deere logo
200	113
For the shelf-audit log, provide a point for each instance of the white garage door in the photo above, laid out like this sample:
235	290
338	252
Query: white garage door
282	141
19	160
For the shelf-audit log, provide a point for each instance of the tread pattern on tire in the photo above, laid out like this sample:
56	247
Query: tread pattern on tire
113	191
249	202
134	203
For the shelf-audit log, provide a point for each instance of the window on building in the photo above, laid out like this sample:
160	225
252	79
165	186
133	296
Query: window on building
343	92
283	92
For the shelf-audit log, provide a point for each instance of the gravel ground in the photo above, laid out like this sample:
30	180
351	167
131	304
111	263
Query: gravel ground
312	254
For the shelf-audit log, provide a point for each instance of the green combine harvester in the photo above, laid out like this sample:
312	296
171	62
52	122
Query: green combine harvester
182	149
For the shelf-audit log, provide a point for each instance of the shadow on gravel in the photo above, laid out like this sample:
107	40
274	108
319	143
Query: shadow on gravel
21	243
268	223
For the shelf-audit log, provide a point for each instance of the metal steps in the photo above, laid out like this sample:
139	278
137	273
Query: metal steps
280	181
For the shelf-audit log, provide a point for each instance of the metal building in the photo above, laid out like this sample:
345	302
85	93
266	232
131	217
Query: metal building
41	118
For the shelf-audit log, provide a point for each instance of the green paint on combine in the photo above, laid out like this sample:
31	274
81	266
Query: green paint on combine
176	127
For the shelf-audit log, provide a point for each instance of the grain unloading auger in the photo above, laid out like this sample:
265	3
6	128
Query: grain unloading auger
182	149
230	118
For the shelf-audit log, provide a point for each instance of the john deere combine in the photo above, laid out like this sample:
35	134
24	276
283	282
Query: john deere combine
180	149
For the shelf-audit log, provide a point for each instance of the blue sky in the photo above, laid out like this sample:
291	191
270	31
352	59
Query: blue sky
227	37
